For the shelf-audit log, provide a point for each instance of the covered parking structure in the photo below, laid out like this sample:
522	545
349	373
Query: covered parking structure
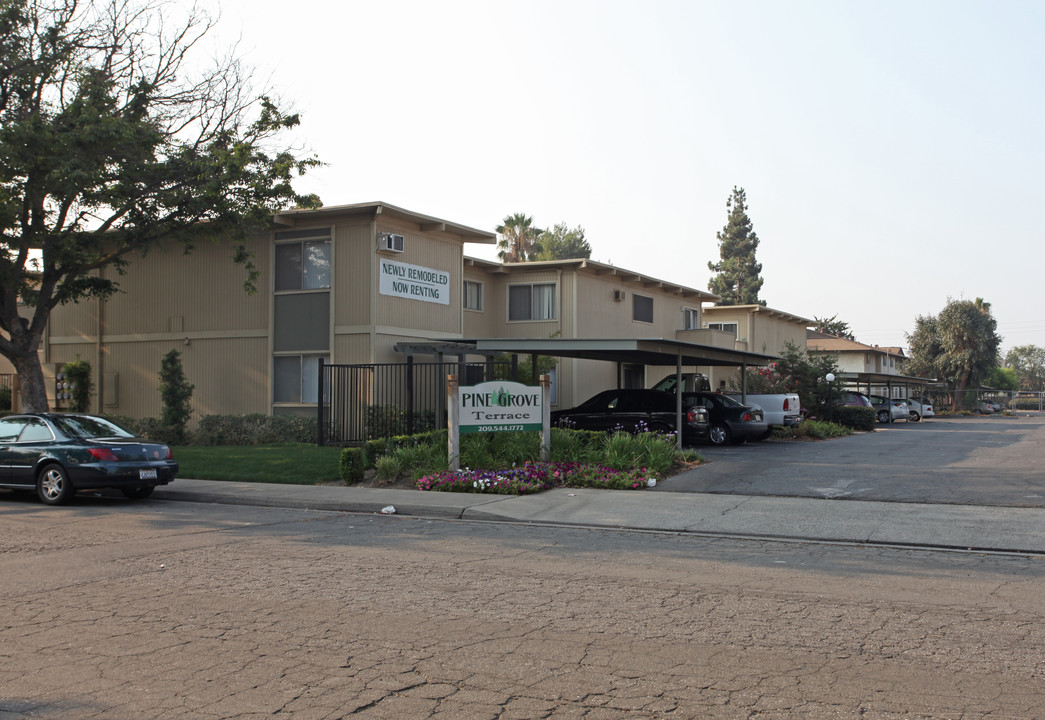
661	352
863	382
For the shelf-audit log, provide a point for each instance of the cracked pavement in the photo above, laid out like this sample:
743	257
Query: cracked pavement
126	611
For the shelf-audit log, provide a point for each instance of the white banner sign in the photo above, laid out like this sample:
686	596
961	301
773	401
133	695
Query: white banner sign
414	282
500	406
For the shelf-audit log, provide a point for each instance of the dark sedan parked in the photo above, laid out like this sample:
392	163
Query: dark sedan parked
730	420
634	410
57	454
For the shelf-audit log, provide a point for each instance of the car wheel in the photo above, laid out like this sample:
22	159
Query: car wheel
883	416
53	486
915	417
719	435
137	493
659	428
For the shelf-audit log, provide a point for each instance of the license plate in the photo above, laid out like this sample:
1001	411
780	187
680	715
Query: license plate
147	474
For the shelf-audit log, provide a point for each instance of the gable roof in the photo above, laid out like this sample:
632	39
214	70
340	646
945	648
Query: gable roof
593	267
427	223
760	310
824	342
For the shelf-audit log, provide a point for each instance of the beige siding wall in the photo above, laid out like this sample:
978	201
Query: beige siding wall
771	335
230	376
193	303
428	252
352	282
599	314
486	322
170	293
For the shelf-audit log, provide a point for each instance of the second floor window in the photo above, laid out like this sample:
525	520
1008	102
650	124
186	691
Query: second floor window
641	308
730	327
303	265
473	295
531	302
690	319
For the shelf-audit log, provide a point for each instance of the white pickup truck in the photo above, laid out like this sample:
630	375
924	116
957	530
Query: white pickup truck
779	409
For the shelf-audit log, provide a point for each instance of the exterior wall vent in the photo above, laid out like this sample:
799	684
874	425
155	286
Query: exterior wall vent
618	295
391	242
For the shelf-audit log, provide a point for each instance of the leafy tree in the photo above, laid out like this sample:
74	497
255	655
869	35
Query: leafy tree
797	371
834	326
562	243
1001	378
959	346
1028	362
518	241
738	281
176	394
110	145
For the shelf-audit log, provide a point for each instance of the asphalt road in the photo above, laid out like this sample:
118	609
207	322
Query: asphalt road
991	461
123	611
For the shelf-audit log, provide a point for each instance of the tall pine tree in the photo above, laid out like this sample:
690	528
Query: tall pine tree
738	281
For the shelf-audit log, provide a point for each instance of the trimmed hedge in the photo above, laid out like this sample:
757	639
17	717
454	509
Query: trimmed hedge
858	418
251	429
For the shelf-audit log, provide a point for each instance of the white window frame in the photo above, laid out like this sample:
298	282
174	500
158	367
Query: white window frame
550	312
308	378
690	319
313	277
726	327
478	295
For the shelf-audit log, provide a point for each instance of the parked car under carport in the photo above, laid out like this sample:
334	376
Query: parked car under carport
730	420
635	410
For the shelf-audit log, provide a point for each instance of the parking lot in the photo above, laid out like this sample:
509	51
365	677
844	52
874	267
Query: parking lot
994	461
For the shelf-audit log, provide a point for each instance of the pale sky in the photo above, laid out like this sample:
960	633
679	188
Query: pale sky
892	152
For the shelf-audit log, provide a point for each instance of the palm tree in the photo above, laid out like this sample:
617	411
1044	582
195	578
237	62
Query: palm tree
518	240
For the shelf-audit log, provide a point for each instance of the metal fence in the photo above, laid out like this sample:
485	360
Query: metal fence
7	391
363	402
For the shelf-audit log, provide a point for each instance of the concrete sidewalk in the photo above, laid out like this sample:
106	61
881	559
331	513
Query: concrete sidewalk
852	521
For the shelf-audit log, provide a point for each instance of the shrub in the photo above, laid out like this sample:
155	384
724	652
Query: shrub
384	421
821	429
254	429
78	373
857	418
388	467
352	464
5	398
382	446
176	393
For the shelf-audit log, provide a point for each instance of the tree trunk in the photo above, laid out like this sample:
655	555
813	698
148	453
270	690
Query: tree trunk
22	348
31	383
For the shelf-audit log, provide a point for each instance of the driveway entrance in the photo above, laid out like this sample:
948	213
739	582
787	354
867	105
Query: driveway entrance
995	461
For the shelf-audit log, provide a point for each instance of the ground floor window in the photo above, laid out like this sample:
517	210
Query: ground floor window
296	378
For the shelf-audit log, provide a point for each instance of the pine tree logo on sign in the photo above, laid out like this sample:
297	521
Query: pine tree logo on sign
500	407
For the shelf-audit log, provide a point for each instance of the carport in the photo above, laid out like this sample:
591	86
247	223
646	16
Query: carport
639	351
862	382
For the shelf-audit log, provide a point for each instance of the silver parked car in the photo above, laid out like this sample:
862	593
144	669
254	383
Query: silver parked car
919	407
887	410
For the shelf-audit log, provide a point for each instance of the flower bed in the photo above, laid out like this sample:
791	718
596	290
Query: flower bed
536	477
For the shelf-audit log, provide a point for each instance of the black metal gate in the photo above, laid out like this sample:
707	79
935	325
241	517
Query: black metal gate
362	402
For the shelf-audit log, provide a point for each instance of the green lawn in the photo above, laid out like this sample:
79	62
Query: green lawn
294	463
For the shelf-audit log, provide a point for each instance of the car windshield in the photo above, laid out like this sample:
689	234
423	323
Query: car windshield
86	426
